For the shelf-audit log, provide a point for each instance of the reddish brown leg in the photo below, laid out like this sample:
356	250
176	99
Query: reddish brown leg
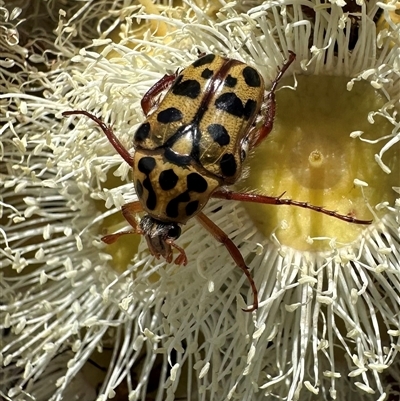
149	99
108	132
181	259
257	135
129	211
221	237
271	200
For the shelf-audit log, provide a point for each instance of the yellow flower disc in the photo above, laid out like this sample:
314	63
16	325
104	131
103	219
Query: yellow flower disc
311	157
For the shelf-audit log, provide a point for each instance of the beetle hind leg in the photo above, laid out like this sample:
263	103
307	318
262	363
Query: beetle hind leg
257	135
150	99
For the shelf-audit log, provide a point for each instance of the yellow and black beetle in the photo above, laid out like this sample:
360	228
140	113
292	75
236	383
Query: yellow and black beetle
191	146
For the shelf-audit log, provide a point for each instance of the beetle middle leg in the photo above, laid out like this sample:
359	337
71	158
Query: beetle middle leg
257	135
221	237
278	200
129	211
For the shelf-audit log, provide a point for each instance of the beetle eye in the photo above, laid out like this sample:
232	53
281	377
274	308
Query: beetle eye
174	232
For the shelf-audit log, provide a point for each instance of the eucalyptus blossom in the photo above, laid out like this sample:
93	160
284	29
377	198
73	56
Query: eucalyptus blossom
81	318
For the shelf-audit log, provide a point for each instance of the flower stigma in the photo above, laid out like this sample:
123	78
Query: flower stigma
316	159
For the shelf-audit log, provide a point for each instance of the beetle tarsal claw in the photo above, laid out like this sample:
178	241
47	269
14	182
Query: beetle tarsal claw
181	260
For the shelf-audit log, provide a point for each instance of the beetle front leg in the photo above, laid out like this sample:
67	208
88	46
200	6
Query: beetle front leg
278	200
181	259
149	99
221	237
257	135
129	211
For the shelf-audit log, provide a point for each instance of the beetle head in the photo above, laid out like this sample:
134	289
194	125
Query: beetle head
159	236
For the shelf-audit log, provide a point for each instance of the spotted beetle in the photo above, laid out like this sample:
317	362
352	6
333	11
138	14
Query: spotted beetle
191	146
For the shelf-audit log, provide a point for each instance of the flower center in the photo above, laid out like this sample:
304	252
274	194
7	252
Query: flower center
316	159
310	156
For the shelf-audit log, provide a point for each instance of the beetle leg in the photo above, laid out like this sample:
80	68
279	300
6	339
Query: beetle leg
257	135
111	238
149	99
129	211
181	259
221	237
272	200
107	131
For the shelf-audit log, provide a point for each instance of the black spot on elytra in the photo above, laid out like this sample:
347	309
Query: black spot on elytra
139	188
173	205
189	88
167	179
169	115
207	73
146	165
230	103
251	77
151	201
249	108
191	207
228	165
207	59
195	182
230	81
142	133
219	134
